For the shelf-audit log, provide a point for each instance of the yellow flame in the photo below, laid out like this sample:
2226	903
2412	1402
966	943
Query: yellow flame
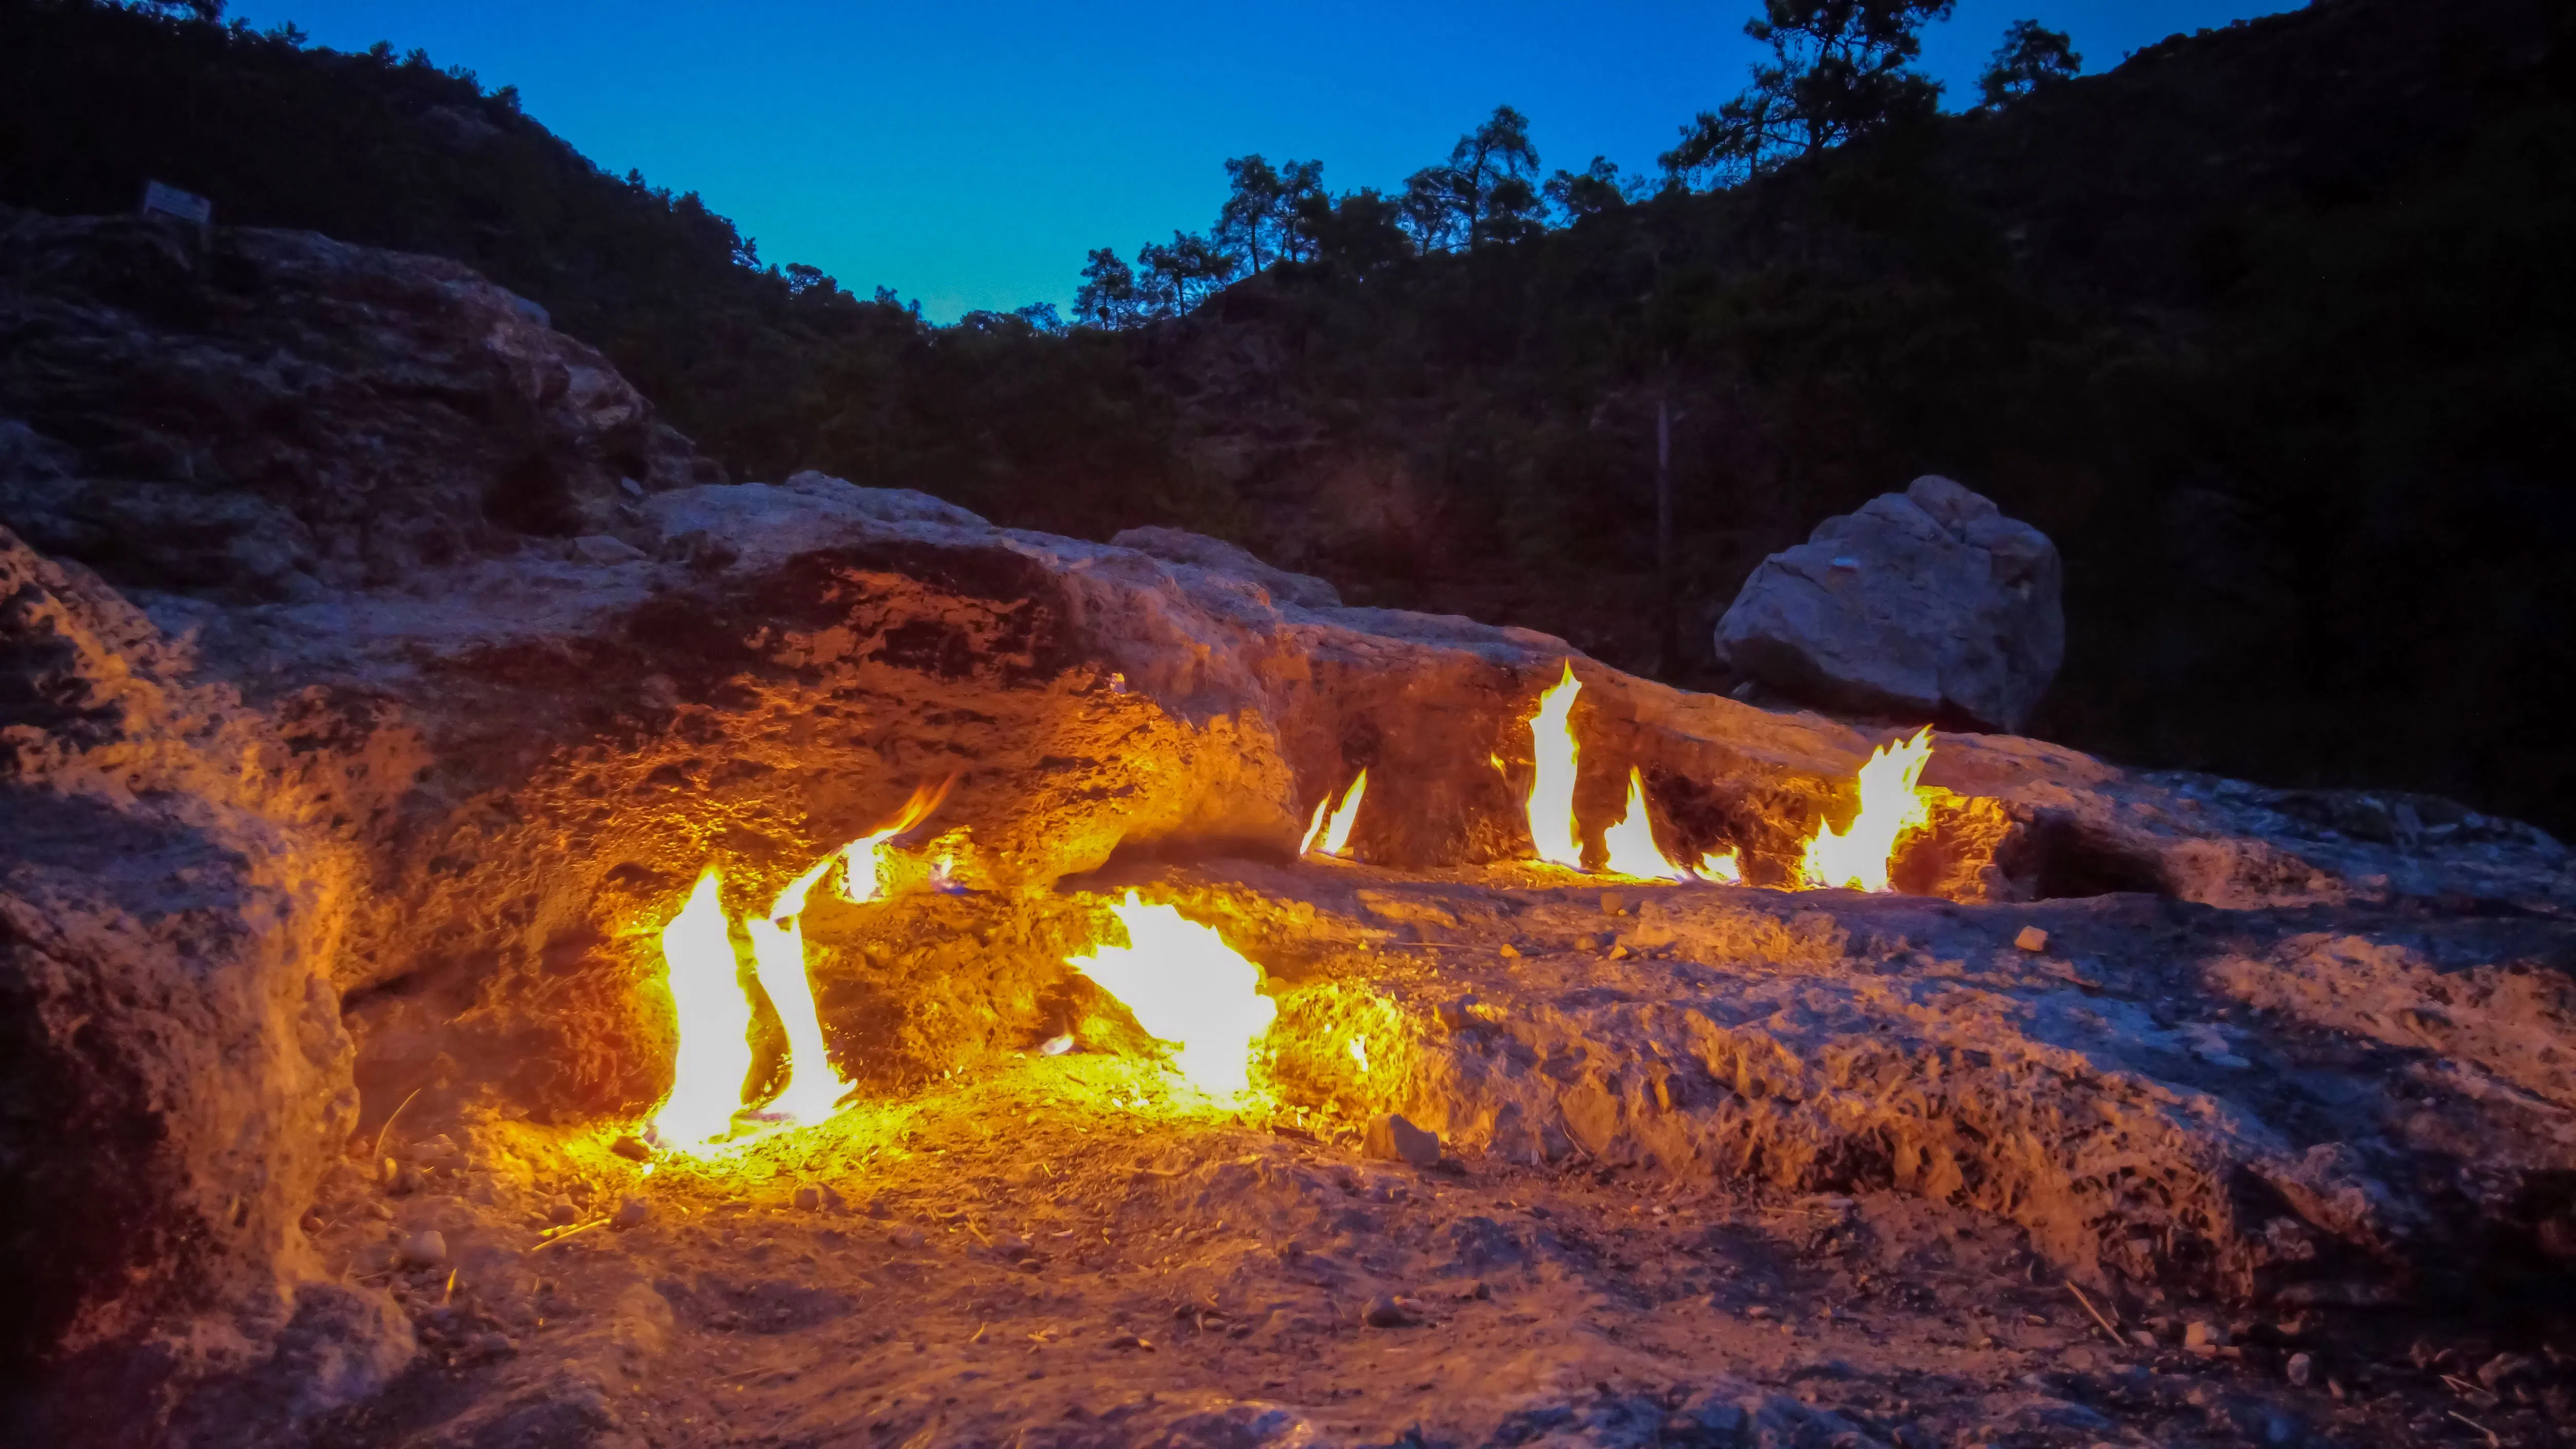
1630	840
863	859
814	1087
1332	837
1722	865
1891	807
1185	985
1553	754
1359	1053
715	1022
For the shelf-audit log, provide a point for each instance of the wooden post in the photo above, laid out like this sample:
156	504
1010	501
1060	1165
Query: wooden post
1667	610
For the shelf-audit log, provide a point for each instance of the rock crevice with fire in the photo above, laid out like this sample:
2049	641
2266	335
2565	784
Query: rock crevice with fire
403	827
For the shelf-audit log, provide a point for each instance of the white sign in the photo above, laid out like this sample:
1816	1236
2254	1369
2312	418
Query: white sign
171	201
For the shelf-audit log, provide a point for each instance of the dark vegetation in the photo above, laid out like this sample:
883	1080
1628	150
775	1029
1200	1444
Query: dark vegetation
2268	328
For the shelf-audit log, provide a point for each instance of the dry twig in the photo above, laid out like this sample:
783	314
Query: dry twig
2474	1424
2098	1319
386	1126
572	1232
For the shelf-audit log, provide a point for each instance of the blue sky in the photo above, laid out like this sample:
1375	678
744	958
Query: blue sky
969	154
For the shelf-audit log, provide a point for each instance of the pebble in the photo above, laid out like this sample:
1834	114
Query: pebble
1384	1312
424	1250
1510	952
631	1213
380	1212
493	1345
1392	1138
562	1210
2299	1368
906	1237
2032	938
1612	903
632	1148
809	1198
2204	1338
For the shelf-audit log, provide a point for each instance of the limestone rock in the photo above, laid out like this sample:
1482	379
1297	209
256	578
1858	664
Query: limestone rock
269	412
1927	604
1174	545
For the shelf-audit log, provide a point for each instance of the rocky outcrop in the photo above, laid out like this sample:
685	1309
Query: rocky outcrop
268	414
443	801
1927	604
1174	545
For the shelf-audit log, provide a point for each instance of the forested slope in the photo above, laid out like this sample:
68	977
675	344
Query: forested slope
2268	327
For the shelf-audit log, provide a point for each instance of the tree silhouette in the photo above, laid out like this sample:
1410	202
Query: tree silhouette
2030	57
1839	69
1108	296
1181	274
1593	190
1259	219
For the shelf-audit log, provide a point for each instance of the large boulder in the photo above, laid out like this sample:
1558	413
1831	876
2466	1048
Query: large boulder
1927	604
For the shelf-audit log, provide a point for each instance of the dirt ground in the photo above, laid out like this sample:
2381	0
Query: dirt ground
1072	1250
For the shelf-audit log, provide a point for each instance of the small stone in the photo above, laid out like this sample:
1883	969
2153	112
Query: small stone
1612	903
809	1198
312	1222
1618	953
1132	1340
423	1250
906	1236
1383	1311
2299	1368
1391	1138
632	1148
631	1213
2204	1338
1587	943
563	1210
493	1345
2495	1371
380	1212
1510	952
1758	1311
2142	1338
601	548
2032	938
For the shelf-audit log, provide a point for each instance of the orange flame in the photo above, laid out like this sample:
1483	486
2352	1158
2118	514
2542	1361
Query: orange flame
1722	865
863	859
1331	837
1553	755
1186	986
715	1022
1891	807
1630	840
705	975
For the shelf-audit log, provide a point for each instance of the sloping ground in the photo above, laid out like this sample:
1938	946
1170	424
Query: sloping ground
371	865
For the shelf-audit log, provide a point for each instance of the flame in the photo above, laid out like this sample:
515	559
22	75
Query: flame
814	1087
1630	840
863	859
1553	754
1185	985
1330	837
1359	1053
1890	807
715	1022
1722	865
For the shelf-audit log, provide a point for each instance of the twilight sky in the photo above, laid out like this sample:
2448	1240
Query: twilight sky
968	154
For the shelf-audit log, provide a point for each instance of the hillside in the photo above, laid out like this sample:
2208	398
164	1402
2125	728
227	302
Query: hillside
2266	327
